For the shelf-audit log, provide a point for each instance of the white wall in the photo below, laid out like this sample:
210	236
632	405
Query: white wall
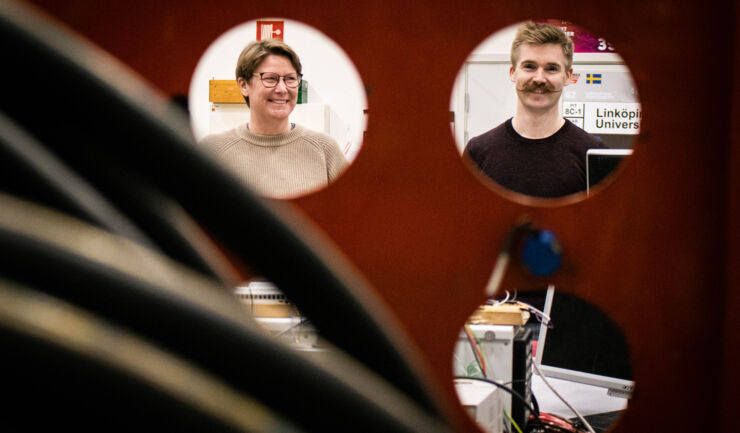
331	76
494	50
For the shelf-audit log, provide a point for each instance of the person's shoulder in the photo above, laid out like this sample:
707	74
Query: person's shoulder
491	136
316	138
221	140
494	132
326	145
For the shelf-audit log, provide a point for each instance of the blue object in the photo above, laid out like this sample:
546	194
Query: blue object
542	253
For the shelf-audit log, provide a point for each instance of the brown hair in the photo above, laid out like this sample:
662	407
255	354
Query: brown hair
255	53
540	34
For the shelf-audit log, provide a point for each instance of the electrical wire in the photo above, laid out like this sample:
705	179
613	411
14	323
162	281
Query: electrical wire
55	184
535	403
31	170
132	374
573	409
190	315
513	423
503	301
539	314
477	353
532	409
513	299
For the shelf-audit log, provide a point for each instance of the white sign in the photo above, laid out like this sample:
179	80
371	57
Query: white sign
612	117
605	117
578	121
573	109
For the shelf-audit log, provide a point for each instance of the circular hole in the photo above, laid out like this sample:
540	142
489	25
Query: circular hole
290	141
580	351
527	127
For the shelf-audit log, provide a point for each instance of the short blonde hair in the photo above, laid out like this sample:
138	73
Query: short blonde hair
256	52
540	34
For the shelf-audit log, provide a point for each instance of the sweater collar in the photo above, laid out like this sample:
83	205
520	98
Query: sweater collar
510	129
269	140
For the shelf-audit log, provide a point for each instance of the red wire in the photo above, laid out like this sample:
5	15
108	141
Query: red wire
476	350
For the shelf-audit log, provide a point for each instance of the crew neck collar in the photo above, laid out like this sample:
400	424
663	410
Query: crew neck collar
510	128
295	132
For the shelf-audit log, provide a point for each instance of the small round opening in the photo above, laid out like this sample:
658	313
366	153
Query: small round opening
525	360
299	133
538	124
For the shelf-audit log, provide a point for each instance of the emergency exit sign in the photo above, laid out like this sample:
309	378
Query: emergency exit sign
270	29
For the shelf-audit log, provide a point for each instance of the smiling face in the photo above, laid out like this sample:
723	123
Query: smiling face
540	74
270	107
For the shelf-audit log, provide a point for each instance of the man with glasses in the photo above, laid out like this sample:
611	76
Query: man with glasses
537	152
275	157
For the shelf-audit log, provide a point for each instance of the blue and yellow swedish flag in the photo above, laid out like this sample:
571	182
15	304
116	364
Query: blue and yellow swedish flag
593	78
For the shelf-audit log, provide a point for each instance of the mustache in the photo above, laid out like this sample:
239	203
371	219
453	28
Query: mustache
531	87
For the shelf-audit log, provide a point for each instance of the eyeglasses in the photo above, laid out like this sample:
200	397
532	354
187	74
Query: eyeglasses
271	79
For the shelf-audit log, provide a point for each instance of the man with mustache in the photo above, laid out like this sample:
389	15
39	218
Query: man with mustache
537	152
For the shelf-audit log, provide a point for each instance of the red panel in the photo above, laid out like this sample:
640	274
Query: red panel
651	249
731	301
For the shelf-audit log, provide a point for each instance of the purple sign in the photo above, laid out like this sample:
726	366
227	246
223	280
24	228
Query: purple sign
583	42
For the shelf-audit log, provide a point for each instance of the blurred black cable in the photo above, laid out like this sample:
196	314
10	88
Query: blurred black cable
189	315
29	170
106	117
72	370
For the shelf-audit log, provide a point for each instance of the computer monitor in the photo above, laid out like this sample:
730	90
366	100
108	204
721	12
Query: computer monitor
601	162
584	345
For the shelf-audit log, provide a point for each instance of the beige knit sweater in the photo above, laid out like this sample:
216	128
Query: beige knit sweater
279	166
